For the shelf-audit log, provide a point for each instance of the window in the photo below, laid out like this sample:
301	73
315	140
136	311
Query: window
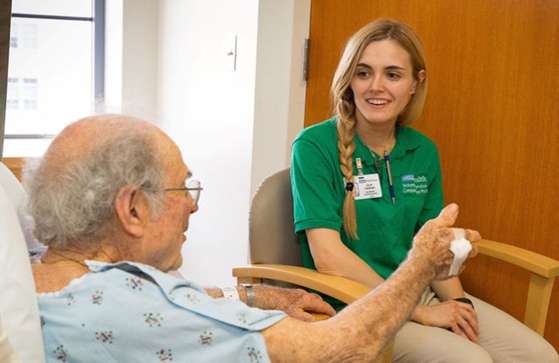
29	94
24	92
55	70
12	97
29	36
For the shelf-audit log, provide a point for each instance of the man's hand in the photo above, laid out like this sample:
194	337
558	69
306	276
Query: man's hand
459	317
432	242
297	303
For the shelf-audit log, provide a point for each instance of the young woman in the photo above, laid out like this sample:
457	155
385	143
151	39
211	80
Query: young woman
364	182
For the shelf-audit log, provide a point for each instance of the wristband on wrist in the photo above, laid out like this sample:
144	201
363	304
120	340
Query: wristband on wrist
464	300
251	297
230	293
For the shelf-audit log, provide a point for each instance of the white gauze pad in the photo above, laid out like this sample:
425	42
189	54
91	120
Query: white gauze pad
460	247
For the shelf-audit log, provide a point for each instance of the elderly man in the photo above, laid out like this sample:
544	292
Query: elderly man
112	199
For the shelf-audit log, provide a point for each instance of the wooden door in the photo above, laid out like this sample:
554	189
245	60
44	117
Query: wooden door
492	109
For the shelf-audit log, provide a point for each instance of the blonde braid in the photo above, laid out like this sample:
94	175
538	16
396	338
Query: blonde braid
346	146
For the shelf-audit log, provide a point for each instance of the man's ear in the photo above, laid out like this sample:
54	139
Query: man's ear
132	211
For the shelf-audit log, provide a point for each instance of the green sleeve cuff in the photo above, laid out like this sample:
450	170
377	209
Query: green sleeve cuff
317	223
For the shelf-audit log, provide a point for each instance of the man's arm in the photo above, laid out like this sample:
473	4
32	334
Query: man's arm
360	331
332	257
297	303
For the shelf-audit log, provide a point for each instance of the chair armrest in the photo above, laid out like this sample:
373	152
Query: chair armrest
338	287
543	272
528	260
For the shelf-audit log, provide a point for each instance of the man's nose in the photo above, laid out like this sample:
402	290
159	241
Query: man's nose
194	208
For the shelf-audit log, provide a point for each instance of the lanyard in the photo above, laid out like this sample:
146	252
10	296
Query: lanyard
389	172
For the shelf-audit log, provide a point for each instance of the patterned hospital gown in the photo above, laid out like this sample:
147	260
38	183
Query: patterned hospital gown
130	312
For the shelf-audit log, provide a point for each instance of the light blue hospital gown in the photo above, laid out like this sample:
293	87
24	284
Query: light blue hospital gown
115	314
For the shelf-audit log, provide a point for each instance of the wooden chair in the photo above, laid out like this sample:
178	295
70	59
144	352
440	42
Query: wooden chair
543	271
275	255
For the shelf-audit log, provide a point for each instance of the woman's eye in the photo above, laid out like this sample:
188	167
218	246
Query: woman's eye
362	74
394	76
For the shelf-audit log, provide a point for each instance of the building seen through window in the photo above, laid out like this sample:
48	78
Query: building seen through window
51	72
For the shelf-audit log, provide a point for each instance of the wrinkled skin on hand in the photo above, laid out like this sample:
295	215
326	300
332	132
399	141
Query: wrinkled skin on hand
432	242
297	303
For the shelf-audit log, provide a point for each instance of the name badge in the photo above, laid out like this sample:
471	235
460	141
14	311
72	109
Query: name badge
367	186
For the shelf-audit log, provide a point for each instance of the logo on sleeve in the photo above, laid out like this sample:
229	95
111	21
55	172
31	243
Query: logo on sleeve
414	184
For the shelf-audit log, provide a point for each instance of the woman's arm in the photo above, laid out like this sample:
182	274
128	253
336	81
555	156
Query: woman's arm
332	257
448	289
457	316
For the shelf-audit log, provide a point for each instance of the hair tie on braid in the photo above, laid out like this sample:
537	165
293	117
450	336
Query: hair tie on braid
349	186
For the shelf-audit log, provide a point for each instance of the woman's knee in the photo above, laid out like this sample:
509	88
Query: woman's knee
543	352
453	349
467	353
474	354
534	349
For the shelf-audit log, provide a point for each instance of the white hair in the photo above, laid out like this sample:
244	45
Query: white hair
77	203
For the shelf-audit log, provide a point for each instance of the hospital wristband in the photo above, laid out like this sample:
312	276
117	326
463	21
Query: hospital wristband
230	293
251	297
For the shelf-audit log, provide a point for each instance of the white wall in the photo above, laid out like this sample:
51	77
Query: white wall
139	59
131	43
208	110
233	127
113	57
280	88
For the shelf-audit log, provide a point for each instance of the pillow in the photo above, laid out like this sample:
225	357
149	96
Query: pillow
7	354
18	197
18	305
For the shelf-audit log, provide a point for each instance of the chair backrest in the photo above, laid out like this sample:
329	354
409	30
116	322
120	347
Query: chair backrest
271	231
18	302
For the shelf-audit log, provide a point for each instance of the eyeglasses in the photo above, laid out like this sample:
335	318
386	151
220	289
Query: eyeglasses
193	187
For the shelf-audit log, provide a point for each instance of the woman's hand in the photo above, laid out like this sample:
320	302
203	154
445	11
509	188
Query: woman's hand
459	317
297	303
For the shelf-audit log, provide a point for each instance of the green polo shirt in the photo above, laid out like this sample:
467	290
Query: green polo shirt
385	229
